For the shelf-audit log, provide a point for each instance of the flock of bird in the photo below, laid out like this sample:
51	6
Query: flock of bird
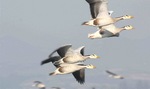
71	60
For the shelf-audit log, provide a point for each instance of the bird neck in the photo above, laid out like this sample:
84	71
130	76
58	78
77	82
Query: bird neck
86	56
118	18
120	29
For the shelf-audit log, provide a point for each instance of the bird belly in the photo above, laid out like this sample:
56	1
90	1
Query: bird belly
102	21
68	69
72	59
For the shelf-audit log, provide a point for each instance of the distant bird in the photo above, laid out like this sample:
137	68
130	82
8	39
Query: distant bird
78	75
39	85
109	31
55	87
93	88
68	55
113	75
70	68
100	14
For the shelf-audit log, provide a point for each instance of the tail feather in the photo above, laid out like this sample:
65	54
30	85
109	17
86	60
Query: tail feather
53	73
84	23
46	61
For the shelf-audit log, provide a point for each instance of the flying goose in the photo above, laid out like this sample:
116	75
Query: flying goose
39	85
78	75
55	87
100	14
66	68
113	75
68	55
109	31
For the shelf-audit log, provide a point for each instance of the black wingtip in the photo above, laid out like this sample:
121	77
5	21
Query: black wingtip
84	23
81	82
42	63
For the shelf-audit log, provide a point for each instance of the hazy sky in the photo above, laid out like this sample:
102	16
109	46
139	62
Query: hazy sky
32	29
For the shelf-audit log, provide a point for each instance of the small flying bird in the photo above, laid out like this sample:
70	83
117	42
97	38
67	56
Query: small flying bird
55	87
39	85
113	75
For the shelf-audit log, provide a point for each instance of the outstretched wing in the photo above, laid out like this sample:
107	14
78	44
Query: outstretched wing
80	50
51	59
94	7
37	82
55	87
79	76
42	88
111	73
103	9
98	8
61	50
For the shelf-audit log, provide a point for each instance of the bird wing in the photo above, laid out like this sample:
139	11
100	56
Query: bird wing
103	9
94	7
79	76
37	82
111	28
51	59
42	88
55	87
111	73
98	8
61	50
80	50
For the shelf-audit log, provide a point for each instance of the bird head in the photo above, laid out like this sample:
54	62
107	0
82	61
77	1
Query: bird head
95	35
128	27
94	56
127	17
90	66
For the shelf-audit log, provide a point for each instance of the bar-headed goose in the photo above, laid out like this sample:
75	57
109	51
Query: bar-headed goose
39	85
68	55
109	31
66	68
55	88
78	75
100	14
113	75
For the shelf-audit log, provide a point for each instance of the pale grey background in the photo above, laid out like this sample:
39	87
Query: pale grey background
32	29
